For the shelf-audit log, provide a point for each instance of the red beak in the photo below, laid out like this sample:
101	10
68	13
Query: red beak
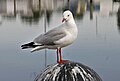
63	20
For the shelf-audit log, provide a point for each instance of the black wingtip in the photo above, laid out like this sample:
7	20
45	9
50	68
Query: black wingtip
28	45
24	47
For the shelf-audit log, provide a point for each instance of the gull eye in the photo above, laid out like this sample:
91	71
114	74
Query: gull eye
68	15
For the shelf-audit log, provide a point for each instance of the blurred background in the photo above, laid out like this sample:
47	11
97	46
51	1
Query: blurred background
97	45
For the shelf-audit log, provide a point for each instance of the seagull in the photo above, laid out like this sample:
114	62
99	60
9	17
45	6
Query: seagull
57	38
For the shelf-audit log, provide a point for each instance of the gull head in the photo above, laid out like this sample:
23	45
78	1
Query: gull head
67	15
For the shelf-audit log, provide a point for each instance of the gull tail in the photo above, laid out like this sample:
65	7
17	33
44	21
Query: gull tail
32	45
37	48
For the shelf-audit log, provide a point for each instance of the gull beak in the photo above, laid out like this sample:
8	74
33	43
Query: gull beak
63	20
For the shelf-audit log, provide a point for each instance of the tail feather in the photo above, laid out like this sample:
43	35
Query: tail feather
37	48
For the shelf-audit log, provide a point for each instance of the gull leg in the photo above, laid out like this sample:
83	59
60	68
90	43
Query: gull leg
60	54
61	60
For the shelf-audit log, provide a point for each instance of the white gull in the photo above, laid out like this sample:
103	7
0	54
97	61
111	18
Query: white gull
57	38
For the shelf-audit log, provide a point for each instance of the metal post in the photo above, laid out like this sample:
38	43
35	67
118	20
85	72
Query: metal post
96	26
45	29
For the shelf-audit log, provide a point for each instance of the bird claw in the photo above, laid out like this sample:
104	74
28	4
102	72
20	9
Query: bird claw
62	61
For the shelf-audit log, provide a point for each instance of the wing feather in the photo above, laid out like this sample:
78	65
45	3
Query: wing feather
51	36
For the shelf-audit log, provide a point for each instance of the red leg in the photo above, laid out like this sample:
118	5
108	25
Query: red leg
61	60
60	54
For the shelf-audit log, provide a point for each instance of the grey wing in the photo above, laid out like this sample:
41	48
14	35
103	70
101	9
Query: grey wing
50	37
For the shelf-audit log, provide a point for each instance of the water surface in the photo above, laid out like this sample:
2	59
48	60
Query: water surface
97	45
